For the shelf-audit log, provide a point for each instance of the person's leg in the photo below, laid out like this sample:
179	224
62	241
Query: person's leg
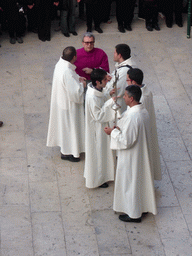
178	13
89	15
72	7
64	23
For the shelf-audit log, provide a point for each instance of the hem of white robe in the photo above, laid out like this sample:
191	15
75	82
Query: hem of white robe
133	216
99	184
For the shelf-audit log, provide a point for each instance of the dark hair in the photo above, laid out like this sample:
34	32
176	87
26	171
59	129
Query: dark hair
124	50
136	75
97	74
134	91
68	53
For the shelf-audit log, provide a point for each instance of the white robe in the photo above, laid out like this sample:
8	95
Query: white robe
66	124
134	185
99	163
121	82
147	100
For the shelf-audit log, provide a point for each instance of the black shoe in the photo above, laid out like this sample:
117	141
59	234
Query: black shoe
74	33
1	123
99	30
89	29
70	158
121	29
128	27
126	218
149	28
12	40
156	27
169	24
66	34
179	24
104	185
19	40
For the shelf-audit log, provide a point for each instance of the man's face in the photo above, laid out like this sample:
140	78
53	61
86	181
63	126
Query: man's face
103	83
88	43
127	99
129	81
116	56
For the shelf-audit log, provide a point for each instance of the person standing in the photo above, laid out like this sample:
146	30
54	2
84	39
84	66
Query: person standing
125	14
135	77
171	6
151	14
93	12
66	123
90	57
99	164
134	192
122	55
14	22
43	8
68	17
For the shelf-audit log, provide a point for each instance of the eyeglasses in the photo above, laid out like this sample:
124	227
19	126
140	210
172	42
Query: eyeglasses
92	42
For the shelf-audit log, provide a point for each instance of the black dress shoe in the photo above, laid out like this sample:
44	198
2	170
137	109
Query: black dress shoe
179	24
128	27
149	28
1	123
99	30
70	158
104	185
121	29
156	27
126	218
74	33
66	34
169	24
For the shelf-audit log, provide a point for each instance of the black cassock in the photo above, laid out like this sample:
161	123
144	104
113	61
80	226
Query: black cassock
44	8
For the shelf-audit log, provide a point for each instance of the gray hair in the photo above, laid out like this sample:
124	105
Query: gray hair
88	34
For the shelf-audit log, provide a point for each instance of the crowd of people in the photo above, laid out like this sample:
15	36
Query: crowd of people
113	120
36	15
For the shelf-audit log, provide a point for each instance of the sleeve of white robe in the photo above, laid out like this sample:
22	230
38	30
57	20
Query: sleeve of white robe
104	114
126	138
74	87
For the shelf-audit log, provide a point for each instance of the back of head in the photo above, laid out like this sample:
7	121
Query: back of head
134	91
68	53
136	75
97	74
124	50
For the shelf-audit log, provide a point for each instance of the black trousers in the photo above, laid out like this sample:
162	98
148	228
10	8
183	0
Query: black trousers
150	12
32	18
93	12
169	7
125	11
15	28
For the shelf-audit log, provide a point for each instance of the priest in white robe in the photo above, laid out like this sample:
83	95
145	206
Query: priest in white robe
134	185
135	76
99	163
124	61
66	124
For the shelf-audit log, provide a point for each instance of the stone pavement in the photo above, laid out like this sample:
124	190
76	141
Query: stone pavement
45	208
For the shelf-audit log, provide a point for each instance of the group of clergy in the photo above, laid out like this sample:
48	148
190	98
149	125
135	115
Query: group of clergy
132	140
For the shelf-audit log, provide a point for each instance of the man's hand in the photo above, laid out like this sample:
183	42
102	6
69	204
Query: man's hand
78	1
87	70
82	80
30	6
109	77
56	3
108	130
